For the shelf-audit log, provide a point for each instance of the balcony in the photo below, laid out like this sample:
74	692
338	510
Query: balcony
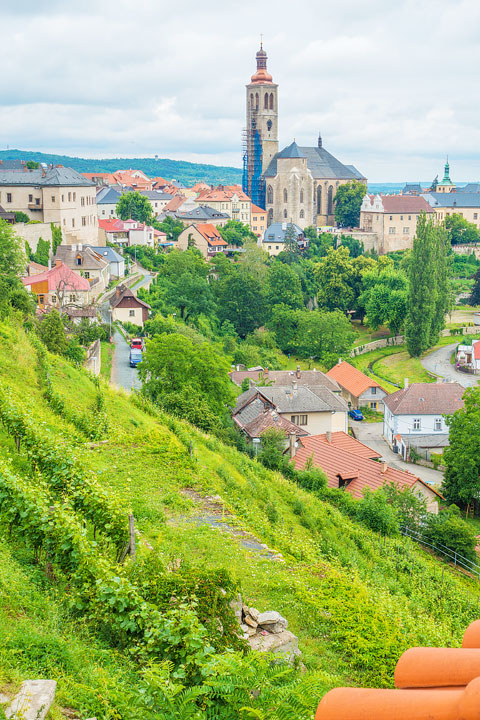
35	206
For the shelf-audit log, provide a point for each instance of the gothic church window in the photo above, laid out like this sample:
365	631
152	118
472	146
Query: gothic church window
285	196
319	200
330	200
269	195
302	214
301	196
251	100
265	101
271	101
285	214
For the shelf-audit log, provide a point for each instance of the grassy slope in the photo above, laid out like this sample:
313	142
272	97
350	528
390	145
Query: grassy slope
355	604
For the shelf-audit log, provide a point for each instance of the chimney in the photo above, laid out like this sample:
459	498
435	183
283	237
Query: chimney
58	263
405	383
294	386
328	435
298	373
384	467
79	247
292	442
266	372
43	172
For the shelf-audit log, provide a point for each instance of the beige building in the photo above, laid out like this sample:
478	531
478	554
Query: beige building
301	184
126	307
88	263
393	220
259	220
230	200
53	195
465	204
203	236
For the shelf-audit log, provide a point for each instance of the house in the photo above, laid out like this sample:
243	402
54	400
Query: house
313	409
358	389
469	356
354	467
89	264
264	376
157	199
126	307
34	268
275	236
9	217
176	205
200	187
56	195
126	232
258	223
100	179
414	416
134	179
465	204
392	219
116	261
204	236
229	199
58	287
260	415
203	214
107	199
76	315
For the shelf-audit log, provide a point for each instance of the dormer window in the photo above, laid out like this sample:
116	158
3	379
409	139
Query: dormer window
78	260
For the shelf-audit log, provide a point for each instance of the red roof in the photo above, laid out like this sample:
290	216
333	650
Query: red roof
342	441
476	350
405	204
256	209
211	234
352	379
222	194
350	468
60	275
113	225
174	203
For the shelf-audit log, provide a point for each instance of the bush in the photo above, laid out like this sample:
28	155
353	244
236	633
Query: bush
377	513
449	530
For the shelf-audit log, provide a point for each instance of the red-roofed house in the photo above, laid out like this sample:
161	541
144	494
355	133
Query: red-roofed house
228	199
358	389
204	236
259	220
58	287
127	307
353	466
125	232
393	218
469	355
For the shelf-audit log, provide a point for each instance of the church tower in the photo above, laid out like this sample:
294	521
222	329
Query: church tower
261	134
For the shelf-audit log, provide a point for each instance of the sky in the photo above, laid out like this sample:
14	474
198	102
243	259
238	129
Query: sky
392	86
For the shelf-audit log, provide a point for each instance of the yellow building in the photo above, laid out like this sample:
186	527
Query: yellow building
392	219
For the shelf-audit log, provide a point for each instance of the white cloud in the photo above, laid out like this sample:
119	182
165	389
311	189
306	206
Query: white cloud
391	85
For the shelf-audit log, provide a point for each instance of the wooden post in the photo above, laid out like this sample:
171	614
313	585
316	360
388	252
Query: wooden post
190	449
131	528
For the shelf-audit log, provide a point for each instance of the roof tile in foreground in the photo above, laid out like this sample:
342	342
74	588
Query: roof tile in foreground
432	684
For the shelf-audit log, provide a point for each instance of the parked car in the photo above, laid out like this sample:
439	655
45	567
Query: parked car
136	343
356	414
135	357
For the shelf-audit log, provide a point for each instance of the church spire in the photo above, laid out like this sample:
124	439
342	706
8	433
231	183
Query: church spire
261	76
320	145
446	180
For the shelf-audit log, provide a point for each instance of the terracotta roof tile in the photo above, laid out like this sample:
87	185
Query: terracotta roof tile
426	399
60	274
352	379
211	234
405	204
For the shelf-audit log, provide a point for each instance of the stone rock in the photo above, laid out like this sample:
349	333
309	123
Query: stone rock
253	614
4	699
236	606
272	621
283	645
244	627
33	701
251	631
249	621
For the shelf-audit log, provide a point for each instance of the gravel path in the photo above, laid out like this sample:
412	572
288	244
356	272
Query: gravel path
438	362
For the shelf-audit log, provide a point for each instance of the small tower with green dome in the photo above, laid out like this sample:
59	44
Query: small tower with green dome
446	185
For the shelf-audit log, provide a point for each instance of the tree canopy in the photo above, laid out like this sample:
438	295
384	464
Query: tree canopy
348	201
460	230
461	483
133	205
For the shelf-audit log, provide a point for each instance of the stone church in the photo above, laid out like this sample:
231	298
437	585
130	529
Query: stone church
297	184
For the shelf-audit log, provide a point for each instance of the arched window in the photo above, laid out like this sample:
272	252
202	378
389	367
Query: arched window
251	100
301	196
330	201
285	196
269	195
302	214
270	217
285	213
265	101
319	200
271	101
257	101
269	125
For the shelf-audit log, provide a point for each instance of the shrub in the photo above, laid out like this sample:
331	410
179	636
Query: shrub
449	530
375	511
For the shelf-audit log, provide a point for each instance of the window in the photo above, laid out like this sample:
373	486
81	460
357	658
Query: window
37	201
330	201
401	217
131	313
69	197
391	217
86	275
438	424
302	214
406	231
285	196
74	196
84	221
301	196
391	231
276	247
265	102
53	198
417	424
475	216
41	299
78	260
285	214
9	197
373	405
54	299
299	419
73	222
82	201
269	125
254	227
72	298
269	247
409	217
30	198
63	198
271	101
374	390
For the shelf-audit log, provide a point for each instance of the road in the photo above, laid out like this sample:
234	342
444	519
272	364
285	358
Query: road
371	434
438	362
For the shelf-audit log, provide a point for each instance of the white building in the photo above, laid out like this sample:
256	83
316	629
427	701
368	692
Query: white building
469	355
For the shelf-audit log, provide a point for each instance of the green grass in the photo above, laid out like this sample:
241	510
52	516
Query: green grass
366	335
107	350
355	604
399	366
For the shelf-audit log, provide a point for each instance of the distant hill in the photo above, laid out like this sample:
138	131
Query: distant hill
185	172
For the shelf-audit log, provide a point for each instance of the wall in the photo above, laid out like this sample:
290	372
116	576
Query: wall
32	233
369	396
94	359
123	315
321	422
467	250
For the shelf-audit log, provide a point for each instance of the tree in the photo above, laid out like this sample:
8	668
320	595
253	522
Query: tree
12	267
52	332
56	237
449	530
323	335
271	449
21	217
235	232
32	164
172	363
385	298
191	294
171	226
133	205
291	240
283	286
429	290
334	275
42	253
474	298
460	230
240	299
461	483
354	246
348	201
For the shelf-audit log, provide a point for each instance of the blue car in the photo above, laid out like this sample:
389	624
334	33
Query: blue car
135	357
356	415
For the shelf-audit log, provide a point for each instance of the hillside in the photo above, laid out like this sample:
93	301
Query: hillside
355	600
185	172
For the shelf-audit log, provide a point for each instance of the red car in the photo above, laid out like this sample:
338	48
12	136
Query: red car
136	344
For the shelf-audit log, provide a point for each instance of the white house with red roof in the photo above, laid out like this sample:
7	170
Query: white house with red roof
358	389
58	287
469	355
393	219
204	236
126	232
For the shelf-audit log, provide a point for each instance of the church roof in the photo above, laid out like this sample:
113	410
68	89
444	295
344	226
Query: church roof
320	162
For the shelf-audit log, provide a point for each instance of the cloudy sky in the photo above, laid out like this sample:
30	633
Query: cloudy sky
392	85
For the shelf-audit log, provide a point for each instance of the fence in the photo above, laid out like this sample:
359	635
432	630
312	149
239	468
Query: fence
400	339
452	556
93	361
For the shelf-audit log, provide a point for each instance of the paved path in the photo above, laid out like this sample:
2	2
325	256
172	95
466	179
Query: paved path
122	374
439	363
371	434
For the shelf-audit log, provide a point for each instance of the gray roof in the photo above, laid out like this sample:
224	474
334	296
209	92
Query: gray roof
412	187
108	253
429	441
426	399
90	260
303	399
356	172
156	195
462	199
276	232
252	409
56	176
469	188
108	196
203	213
320	162
312	378
15	164
292	151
